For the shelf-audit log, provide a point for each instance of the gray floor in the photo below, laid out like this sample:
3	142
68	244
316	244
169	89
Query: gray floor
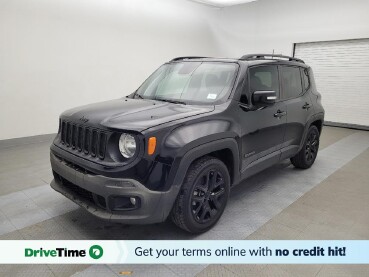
44	214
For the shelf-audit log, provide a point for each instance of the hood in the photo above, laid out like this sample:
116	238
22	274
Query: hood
132	114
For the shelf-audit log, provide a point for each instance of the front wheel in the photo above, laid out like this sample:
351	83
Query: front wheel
307	155
203	196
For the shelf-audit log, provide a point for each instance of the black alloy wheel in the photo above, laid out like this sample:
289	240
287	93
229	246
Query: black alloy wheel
208	196
311	147
309	151
203	195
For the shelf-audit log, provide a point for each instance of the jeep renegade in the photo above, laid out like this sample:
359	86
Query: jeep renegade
195	128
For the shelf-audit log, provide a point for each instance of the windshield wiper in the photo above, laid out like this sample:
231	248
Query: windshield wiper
170	101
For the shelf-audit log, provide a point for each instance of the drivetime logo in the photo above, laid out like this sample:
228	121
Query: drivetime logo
95	252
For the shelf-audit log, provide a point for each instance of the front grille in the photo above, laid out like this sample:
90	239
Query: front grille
83	138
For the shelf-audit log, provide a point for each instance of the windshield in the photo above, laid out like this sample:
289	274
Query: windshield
189	82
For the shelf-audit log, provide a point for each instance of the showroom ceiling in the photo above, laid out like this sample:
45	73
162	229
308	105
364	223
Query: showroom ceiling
223	3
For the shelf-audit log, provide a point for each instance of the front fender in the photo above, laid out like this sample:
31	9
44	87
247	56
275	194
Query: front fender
189	142
187	137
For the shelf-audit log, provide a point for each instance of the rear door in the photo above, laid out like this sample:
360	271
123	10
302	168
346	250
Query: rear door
295	94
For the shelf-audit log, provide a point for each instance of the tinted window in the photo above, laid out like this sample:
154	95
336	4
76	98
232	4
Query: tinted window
305	78
264	78
291	80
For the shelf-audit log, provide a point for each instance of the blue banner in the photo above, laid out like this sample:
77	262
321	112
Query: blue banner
185	252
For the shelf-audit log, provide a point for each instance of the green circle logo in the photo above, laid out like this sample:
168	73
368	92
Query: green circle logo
96	252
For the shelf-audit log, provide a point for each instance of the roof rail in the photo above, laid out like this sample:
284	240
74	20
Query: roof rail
263	57
187	58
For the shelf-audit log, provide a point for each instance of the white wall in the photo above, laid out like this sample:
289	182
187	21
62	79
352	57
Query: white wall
63	53
58	54
264	25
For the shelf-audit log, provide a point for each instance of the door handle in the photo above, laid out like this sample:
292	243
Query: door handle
306	106
280	113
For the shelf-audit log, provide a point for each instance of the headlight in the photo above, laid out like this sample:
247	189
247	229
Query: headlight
127	145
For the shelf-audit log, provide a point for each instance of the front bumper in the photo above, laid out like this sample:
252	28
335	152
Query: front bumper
94	193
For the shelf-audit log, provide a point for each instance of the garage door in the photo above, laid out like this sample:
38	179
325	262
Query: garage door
341	70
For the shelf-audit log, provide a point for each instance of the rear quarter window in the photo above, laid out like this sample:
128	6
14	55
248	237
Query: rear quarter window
305	78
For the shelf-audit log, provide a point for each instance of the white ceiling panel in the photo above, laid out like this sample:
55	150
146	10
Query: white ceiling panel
223	3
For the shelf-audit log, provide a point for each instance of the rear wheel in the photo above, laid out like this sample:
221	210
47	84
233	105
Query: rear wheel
203	196
307	155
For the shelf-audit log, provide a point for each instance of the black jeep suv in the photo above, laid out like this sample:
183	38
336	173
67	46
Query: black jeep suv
195	128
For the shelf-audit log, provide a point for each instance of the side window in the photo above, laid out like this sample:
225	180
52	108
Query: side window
264	78
291	80
305	78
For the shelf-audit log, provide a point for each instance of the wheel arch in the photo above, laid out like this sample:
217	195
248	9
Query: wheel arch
226	156
318	123
316	120
218	148
225	149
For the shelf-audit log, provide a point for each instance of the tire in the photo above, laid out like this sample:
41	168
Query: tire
203	196
307	155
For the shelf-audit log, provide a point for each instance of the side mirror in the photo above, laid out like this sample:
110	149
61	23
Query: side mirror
263	98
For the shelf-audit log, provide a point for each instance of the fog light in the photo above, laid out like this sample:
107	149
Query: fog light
133	201
124	203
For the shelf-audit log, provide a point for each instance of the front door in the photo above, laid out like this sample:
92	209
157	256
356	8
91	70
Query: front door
262	129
